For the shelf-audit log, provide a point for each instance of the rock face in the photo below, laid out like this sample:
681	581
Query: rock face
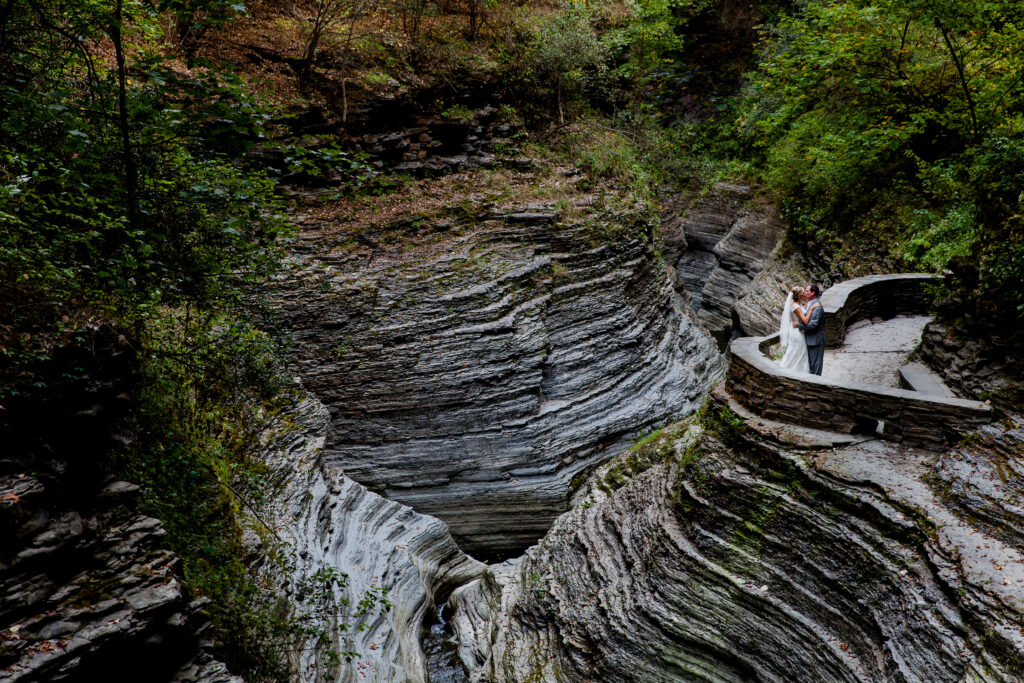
757	311
90	594
475	363
404	562
86	592
718	245
727	554
973	367
435	145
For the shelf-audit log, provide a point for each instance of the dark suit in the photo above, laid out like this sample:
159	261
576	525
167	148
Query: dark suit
814	335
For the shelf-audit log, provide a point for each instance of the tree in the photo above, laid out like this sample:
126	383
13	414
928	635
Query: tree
333	30
568	51
904	118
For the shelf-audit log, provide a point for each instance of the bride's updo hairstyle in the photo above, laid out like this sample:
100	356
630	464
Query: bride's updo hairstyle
798	292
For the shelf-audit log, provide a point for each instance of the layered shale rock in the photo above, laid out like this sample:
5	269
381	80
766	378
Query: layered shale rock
973	367
719	243
395	564
982	478
89	594
724	553
476	361
437	144
86	591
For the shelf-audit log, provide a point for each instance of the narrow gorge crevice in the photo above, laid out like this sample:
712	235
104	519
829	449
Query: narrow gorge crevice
729	258
397	565
431	352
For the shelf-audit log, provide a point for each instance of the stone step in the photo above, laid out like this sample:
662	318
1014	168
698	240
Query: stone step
920	378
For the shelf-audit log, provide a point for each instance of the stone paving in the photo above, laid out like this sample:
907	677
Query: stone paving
873	350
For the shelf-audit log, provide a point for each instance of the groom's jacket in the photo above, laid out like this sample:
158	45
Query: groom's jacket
814	330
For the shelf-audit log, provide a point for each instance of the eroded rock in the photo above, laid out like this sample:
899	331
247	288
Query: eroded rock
87	590
472	372
404	563
719	244
736	557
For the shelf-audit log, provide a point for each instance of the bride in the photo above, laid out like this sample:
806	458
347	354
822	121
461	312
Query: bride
792	338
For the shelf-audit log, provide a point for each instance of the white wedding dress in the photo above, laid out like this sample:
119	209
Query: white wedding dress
794	347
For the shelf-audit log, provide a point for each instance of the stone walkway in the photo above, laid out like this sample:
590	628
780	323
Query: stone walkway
874	350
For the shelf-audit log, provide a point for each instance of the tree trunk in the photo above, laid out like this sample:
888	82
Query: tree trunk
131	179
958	63
561	116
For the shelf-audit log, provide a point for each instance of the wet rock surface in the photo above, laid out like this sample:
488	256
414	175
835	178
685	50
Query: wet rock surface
475	363
873	350
406	563
982	479
737	556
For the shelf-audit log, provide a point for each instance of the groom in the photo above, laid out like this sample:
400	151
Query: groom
814	330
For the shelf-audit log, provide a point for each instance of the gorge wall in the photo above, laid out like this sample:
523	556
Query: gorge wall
725	553
397	564
88	590
726	250
476	361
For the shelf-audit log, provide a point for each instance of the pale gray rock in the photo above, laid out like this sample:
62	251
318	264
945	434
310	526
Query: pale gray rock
331	524
722	555
473	371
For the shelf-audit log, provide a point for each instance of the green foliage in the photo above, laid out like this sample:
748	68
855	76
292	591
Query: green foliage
727	425
878	119
651	34
79	230
458	112
567	52
210	389
538	584
146	197
890	133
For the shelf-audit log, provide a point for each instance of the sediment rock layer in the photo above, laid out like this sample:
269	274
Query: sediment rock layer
726	556
397	564
474	363
719	244
87	589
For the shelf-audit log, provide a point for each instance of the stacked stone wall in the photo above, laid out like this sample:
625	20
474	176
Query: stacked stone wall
873	296
894	414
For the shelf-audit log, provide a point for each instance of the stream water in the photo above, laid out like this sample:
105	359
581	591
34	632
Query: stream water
443	664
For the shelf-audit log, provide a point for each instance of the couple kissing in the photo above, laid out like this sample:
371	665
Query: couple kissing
802	331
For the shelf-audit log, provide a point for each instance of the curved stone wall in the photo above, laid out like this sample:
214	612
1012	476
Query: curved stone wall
894	414
882	296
